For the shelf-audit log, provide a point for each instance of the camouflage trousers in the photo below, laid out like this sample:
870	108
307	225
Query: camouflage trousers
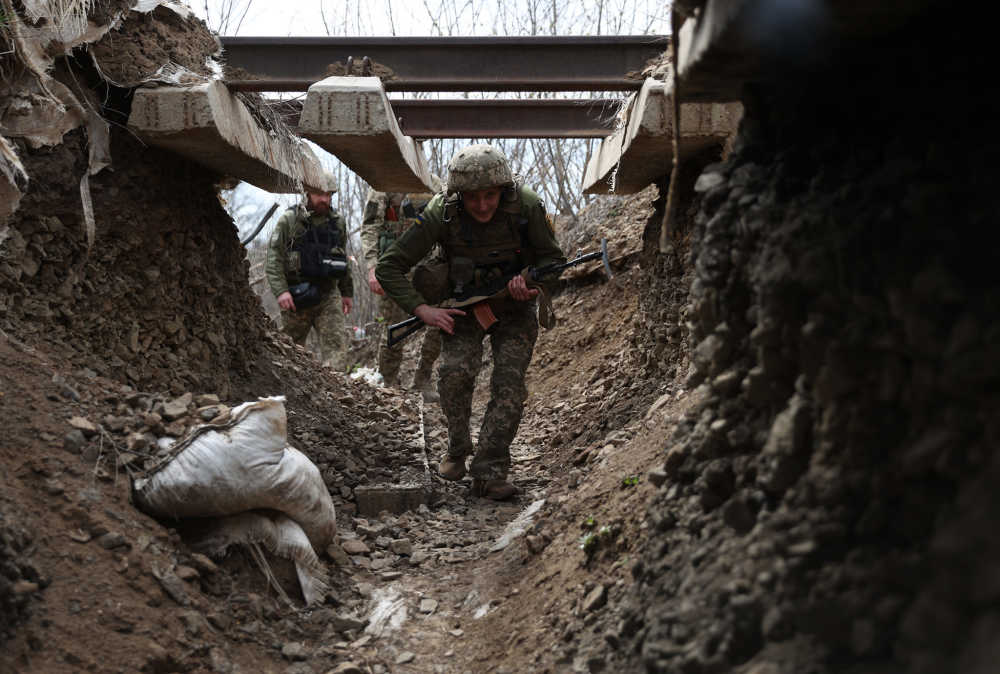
389	358
512	342
327	318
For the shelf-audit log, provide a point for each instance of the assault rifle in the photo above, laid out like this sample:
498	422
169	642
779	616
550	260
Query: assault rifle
477	299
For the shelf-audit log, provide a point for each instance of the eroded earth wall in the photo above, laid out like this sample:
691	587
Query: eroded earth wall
830	503
159	299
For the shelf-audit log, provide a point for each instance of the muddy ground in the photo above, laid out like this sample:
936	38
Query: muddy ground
769	449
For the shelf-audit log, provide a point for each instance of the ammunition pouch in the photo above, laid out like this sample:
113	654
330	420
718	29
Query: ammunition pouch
305	295
431	280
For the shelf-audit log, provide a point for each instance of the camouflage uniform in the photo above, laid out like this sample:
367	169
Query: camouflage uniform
518	235
284	270
387	216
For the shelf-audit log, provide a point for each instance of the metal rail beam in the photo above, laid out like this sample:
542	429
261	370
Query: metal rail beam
533	118
540	63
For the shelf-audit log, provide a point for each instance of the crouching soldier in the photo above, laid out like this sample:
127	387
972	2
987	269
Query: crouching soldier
488	225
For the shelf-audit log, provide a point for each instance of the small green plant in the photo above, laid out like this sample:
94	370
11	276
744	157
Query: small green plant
630	480
588	523
380	319
591	541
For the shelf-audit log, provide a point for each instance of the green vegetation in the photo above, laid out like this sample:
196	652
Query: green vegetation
630	480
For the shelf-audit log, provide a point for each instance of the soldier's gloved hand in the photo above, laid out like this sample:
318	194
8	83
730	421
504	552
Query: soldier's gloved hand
286	302
374	284
437	317
519	290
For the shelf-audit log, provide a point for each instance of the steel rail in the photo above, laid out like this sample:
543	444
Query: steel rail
443	84
539	63
506	118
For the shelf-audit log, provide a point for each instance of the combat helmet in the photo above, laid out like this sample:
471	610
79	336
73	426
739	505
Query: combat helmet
478	167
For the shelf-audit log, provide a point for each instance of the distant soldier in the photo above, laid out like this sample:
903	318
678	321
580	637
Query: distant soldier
387	216
490	226
310	275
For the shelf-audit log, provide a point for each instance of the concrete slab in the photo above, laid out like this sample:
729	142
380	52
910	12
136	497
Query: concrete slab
394	498
641	150
732	42
211	126
351	117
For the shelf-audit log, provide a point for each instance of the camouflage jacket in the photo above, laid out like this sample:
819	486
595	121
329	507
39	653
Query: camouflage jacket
282	267
376	232
443	222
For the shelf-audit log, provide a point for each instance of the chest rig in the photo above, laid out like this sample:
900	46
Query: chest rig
320	248
480	254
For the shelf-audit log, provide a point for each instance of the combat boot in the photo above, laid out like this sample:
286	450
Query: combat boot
497	490
452	468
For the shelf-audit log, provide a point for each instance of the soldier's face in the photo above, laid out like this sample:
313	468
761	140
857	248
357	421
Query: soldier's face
481	204
319	202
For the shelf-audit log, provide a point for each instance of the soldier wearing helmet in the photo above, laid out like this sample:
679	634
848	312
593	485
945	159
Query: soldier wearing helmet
489	226
310	275
387	215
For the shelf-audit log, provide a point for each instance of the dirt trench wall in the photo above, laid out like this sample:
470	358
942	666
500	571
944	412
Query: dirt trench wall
161	299
830	504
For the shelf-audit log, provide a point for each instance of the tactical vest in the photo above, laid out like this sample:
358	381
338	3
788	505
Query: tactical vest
478	253
321	249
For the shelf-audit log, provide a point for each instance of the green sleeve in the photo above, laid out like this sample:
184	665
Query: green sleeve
372	225
407	251
277	254
541	238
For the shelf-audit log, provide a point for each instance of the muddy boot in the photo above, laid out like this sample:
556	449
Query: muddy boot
497	490
452	468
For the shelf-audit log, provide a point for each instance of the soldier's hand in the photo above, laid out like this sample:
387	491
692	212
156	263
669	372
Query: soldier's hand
374	284
346	304
286	302
519	290
437	317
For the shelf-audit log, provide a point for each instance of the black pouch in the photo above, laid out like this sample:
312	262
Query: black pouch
305	295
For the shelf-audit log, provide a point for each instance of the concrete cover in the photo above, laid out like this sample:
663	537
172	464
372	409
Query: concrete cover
211	126
351	117
642	149
736	41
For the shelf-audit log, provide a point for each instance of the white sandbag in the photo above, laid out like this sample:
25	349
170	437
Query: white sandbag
279	535
238	464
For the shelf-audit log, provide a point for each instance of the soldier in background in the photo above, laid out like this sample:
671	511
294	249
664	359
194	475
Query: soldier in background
309	274
387	215
489	225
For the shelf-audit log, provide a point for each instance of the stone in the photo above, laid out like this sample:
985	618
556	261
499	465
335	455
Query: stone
401	546
85	426
428	606
112	540
355	546
596	599
177	407
74	441
187	573
346	668
337	553
203	563
294	651
405	657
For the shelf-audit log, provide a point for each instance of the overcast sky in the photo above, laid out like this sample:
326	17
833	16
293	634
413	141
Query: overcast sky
430	17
